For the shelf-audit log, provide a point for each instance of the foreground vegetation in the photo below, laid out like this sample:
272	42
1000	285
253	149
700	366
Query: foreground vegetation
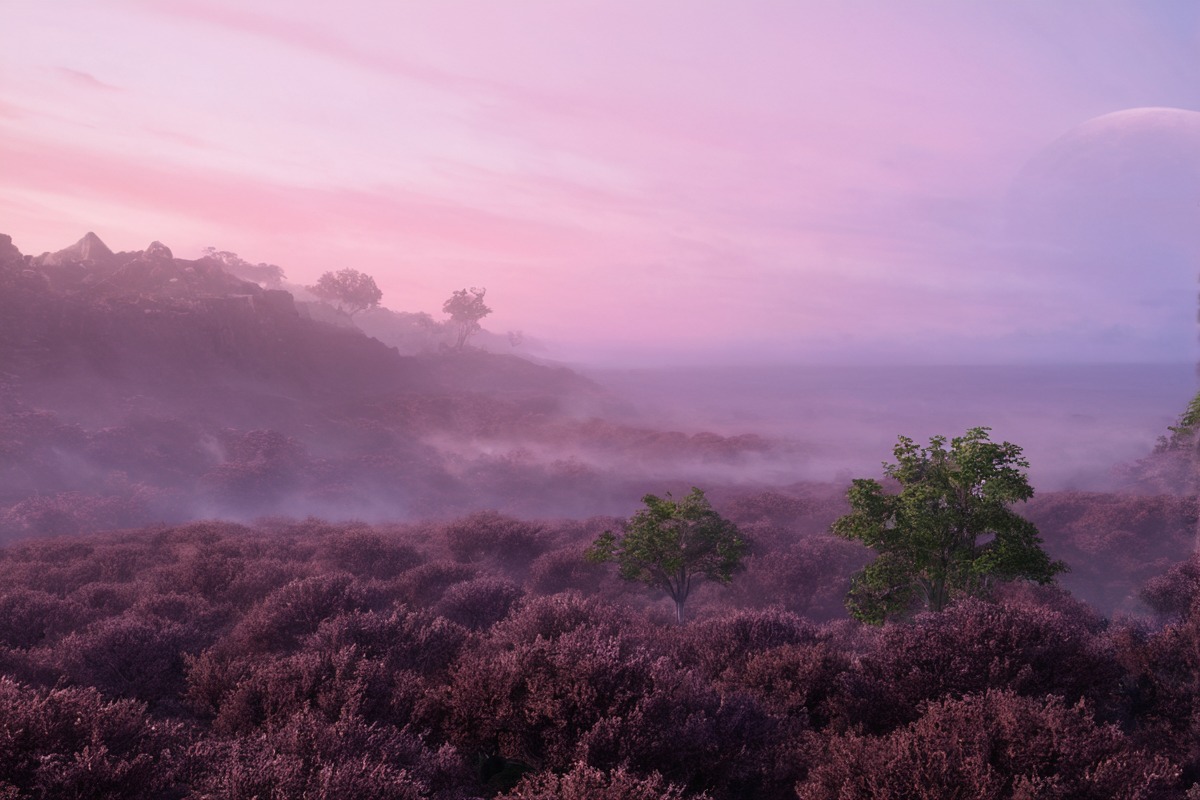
486	657
950	531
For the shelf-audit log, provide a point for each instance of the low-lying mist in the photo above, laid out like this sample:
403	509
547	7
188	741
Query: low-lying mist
1077	423
139	389
448	447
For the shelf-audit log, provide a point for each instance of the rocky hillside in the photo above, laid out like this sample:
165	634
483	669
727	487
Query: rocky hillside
139	387
84	325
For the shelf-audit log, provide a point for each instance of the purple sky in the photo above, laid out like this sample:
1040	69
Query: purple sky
645	179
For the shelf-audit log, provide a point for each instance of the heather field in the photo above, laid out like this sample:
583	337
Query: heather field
251	552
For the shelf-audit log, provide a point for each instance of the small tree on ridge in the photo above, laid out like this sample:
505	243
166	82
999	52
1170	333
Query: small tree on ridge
348	289
466	308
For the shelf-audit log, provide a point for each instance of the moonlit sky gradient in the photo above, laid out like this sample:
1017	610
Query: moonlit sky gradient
649	180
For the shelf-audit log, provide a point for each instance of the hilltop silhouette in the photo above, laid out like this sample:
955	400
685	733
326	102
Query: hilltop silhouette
138	386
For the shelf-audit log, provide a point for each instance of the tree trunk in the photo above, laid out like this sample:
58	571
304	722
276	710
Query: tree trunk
679	611
937	600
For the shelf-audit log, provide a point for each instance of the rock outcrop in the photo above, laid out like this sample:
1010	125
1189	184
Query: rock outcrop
88	250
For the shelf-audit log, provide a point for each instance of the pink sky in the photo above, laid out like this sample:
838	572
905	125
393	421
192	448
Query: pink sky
645	179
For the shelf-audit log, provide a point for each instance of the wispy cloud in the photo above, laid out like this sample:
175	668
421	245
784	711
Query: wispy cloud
789	175
84	79
313	41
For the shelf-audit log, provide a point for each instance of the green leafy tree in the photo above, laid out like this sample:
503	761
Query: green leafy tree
466	308
672	545
348	289
1183	435
949	531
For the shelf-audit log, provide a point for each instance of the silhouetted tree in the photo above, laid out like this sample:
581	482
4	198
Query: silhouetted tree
268	275
348	289
948	532
466	308
672	544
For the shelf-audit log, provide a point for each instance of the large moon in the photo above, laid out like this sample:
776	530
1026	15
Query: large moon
1129	180
1110	214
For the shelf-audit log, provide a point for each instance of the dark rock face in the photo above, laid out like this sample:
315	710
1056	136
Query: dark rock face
140	386
89	267
9	254
157	251
88	251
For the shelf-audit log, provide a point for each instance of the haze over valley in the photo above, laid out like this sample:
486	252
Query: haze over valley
605	400
145	389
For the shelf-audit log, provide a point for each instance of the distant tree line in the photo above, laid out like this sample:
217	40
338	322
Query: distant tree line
352	292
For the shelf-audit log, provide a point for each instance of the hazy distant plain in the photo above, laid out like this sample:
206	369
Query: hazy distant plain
1075	422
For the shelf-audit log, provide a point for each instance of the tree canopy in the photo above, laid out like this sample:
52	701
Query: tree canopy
1183	433
350	290
948	532
672	544
466	308
268	275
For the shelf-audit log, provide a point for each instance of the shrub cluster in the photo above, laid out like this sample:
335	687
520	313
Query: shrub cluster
484	658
